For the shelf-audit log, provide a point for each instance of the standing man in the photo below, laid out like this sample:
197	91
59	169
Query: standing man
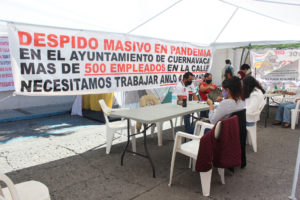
227	71
182	89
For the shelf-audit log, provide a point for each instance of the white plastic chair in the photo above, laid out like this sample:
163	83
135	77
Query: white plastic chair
150	100
295	115
191	148
113	127
252	130
29	190
181	119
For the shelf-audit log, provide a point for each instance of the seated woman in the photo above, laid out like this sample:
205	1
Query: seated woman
204	89
233	103
283	114
254	98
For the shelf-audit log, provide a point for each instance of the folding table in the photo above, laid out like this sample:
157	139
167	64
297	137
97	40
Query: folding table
153	114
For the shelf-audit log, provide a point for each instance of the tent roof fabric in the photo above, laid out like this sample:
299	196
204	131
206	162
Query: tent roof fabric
192	21
257	44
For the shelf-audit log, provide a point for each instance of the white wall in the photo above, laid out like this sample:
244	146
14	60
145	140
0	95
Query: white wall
8	101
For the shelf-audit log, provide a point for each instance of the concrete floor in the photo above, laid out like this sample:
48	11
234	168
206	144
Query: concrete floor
67	154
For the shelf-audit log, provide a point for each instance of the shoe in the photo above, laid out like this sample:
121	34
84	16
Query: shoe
286	125
231	169
243	165
276	123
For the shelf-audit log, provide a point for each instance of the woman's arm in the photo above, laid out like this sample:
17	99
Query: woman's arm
195	98
212	86
202	88
219	112
211	104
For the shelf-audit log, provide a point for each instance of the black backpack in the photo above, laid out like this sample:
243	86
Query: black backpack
228	72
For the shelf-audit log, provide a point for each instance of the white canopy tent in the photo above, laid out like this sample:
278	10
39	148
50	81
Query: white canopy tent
218	23
193	21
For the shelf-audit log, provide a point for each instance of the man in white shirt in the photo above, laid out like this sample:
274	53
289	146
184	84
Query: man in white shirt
182	89
185	86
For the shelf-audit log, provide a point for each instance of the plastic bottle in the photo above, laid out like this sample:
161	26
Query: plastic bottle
184	99
190	96
174	98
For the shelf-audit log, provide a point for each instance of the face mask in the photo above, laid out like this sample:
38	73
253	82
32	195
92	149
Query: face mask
248	72
208	81
225	95
188	83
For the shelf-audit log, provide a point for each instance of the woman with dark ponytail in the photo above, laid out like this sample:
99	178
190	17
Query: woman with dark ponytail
254	98
233	103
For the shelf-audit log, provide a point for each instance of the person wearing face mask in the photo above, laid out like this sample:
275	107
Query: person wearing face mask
233	105
224	93
185	86
232	88
204	89
206	86
182	89
245	71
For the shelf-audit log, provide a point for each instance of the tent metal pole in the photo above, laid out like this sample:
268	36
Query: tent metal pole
248	54
242	56
226	24
243	61
153	17
296	173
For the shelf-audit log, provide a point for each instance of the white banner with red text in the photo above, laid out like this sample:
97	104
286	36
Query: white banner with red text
55	61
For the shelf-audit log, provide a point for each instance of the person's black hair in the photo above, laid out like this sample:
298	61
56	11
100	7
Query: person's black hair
227	61
244	66
235	86
187	75
249	83
207	75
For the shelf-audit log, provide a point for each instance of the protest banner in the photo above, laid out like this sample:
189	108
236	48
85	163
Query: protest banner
273	65
6	78
56	61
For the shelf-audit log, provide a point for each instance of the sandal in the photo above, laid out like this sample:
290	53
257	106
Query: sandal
286	125
276	123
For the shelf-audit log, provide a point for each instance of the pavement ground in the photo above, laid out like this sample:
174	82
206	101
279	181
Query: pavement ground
67	153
